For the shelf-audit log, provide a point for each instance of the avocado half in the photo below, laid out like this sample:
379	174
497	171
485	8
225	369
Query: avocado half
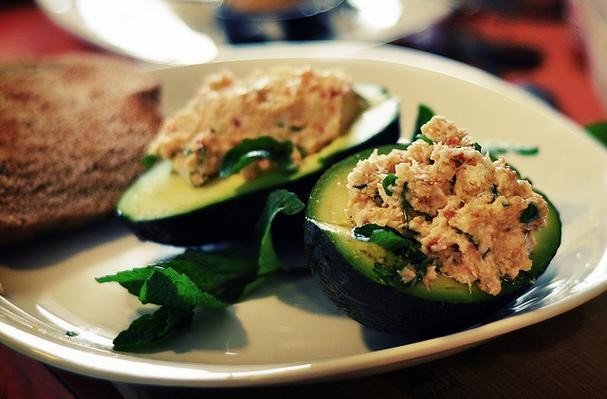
161	206
344	267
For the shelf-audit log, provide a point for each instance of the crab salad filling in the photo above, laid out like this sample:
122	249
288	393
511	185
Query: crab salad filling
474	218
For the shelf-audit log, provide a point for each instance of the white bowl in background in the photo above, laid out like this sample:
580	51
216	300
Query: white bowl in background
591	16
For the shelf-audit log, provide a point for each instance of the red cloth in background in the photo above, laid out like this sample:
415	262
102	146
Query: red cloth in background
563	71
25	31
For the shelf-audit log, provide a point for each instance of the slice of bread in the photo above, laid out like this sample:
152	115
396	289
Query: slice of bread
73	130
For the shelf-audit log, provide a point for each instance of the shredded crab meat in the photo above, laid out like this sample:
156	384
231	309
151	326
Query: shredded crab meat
308	107
464	209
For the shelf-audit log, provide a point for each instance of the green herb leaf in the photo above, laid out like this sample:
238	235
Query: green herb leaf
407	247
149	160
210	278
222	272
152	328
407	208
132	279
388	182
496	150
495	192
424	138
389	275
598	130
251	150
174	289
526	151
529	214
279	201
424	114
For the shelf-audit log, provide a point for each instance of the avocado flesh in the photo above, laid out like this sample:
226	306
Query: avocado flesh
344	267
164	207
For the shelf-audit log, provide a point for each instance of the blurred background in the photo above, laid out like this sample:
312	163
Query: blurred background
556	49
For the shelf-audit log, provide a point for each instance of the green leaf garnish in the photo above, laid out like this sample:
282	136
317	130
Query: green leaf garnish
424	138
598	130
279	201
251	150
388	182
200	278
495	150
151	328
149	160
529	214
407	247
526	151
424	114
407	208
168	287
390	274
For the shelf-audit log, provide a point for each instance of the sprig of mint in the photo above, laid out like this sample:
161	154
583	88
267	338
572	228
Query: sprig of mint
390	239
388	183
149	160
598	130
402	245
200	278
251	150
424	114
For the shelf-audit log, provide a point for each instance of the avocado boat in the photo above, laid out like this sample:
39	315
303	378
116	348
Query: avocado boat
344	266
161	206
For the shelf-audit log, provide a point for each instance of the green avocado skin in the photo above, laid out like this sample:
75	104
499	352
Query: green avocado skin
382	307
235	218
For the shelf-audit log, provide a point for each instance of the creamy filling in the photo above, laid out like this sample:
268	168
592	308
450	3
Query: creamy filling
307	107
473	217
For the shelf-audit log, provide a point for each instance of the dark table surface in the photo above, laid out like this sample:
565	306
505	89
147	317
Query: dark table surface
565	356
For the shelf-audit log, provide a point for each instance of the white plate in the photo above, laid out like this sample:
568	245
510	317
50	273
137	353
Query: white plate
288	331
186	31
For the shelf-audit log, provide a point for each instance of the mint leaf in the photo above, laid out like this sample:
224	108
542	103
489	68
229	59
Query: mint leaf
496	150
221	271
407	207
388	182
210	278
132	279
529	214
151	328
251	150
279	201
424	138
149	160
407	247
424	114
598	130
174	289
526	151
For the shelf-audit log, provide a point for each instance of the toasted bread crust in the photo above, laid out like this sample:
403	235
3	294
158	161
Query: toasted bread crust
72	132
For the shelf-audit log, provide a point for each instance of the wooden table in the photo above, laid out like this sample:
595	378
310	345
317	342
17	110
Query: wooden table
562	357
